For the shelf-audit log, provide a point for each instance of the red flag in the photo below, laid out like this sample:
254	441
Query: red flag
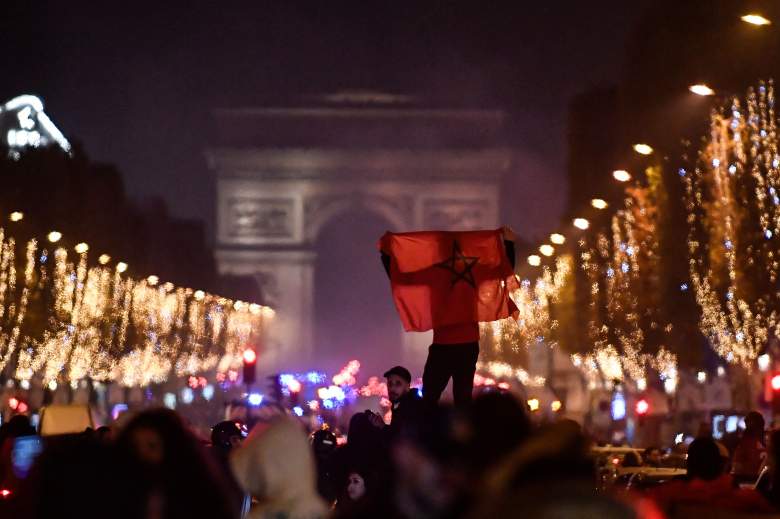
443	278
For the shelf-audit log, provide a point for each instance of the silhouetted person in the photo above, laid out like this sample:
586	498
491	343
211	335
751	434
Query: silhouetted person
174	475
499	424
324	444
225	436
455	349
750	451
707	484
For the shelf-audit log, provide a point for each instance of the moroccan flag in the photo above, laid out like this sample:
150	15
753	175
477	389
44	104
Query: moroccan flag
443	278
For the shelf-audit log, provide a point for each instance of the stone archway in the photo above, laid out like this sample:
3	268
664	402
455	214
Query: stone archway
274	200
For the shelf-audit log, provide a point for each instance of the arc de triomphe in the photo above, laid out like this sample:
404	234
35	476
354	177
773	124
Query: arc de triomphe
283	173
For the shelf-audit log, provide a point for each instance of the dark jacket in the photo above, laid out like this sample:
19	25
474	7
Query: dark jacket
407	411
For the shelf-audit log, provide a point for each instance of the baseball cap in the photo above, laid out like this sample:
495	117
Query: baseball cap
401	372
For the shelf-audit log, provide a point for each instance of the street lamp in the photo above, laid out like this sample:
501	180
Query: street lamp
755	19
581	223
81	248
121	267
16	216
558	239
547	250
643	149
152	280
54	236
621	175
598	203
104	259
701	90
534	260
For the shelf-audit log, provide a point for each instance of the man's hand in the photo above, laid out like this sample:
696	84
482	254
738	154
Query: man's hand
509	234
376	420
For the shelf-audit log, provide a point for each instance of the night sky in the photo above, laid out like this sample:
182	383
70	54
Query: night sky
135	84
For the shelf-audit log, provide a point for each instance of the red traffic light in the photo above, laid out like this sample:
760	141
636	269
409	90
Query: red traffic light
642	407
776	382
250	356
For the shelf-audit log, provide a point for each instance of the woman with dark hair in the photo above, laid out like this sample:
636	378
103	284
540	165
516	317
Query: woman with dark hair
169	469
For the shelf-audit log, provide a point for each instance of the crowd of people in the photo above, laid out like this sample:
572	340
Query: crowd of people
485	460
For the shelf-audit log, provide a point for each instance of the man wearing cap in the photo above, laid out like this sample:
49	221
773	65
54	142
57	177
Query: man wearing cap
407	403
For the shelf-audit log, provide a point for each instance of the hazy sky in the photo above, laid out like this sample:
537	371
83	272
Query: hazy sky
135	84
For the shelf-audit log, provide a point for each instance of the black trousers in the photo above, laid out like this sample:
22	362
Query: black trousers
458	361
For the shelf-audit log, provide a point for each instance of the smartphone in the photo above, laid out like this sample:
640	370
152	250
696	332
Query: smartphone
23	454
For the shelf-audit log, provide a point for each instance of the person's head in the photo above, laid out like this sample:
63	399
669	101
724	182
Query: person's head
631	459
704	459
226	435
399	382
156	437
652	456
323	442
754	423
356	486
104	434
499	423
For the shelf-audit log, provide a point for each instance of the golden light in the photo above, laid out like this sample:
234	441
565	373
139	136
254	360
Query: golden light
558	239
255	309
238	306
81	248
534	260
621	175
16	216
643	149
533	404
547	249
121	267
152	280
555	406
104	259
168	286
581	223
598	203
54	236
268	312
199	295
755	19
701	90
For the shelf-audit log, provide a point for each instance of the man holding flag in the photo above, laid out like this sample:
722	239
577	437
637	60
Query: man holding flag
449	282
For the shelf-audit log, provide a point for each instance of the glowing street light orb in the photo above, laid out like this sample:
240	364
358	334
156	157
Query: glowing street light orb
16	216
54	236
121	267
621	175
534	260
555	406
81	248
152	280
701	90
776	382
643	149
598	203
755	19
558	239
701	377
199	295
533	404
547	250
104	259
581	223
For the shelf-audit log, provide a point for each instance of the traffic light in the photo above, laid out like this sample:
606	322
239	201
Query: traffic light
250	365
642	407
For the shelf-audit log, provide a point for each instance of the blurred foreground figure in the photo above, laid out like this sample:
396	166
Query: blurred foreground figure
750	451
706	486
276	466
226	436
172	472
551	475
